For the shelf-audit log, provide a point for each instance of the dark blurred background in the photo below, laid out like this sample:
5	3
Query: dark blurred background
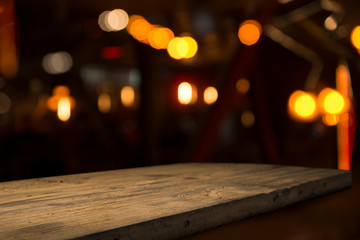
296	51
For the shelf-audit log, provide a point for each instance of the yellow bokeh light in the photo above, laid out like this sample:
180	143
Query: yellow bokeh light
127	96
182	47
116	20
249	32
302	106
355	37
160	37
305	105
172	48
185	93
64	109
243	85
332	102
192	47
330	119
104	103
210	95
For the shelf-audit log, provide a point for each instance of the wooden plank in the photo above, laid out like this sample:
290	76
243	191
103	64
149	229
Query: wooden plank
160	202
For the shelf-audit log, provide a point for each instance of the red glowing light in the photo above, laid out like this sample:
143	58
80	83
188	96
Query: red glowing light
114	52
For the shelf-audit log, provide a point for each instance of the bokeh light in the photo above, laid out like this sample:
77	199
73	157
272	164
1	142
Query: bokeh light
194	94
192	47
57	63
249	32
117	19
104	103
59	92
302	106
247	119
160	37
182	47
173	46
185	93
127	96
332	102
140	29
330	119
242	85
355	37
132	19
210	95
64	109
103	22
330	23
113	52
114	20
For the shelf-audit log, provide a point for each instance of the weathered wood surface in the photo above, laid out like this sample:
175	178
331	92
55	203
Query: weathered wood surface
160	202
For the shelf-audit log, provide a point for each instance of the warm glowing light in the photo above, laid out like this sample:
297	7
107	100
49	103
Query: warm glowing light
344	142
210	95
140	29
249	32
330	119
302	106
192	47
113	52
58	93
342	80
61	90
305	105
132	19
8	44
248	119
185	93
194	94
64	109
243	85
182	47
173	46
332	102
127	96
355	37
160	37
57	63
330	23
5	103
104	103
103	22
117	19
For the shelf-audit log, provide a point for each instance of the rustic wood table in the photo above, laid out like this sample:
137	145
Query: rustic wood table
159	202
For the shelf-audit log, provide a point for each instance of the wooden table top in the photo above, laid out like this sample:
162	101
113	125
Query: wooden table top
159	202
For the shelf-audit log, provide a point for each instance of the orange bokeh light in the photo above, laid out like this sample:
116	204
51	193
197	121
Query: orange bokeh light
249	32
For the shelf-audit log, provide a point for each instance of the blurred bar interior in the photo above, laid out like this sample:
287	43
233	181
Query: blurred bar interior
99	85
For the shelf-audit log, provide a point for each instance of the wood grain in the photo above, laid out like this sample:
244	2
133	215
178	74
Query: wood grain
159	202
